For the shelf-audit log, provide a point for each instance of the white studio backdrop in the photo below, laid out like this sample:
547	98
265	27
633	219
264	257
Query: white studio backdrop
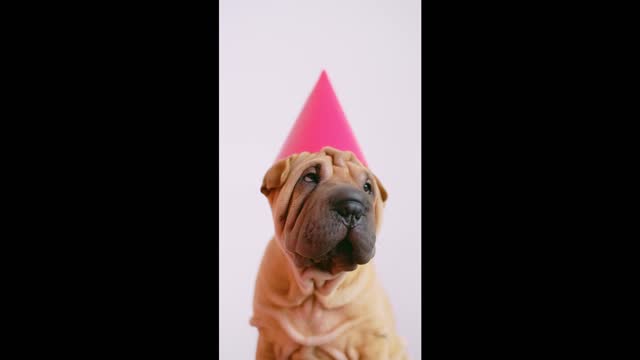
271	54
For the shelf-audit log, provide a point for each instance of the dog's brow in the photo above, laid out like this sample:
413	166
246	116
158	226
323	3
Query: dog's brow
364	175
358	173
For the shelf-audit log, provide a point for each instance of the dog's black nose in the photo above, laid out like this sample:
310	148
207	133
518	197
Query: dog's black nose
351	211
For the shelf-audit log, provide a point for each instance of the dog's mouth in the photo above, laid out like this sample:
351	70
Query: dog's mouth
336	260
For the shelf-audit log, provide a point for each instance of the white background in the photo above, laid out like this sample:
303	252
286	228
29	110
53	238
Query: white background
271	54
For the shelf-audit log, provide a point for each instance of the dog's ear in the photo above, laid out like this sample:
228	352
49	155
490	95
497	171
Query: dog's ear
276	176
381	189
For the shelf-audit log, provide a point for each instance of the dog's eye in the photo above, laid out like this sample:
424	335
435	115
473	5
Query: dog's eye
311	178
367	187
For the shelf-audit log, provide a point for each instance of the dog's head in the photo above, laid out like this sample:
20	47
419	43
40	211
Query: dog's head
327	208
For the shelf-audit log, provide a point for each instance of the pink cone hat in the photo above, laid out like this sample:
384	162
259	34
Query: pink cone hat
321	123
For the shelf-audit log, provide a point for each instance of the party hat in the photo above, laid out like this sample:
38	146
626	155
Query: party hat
321	123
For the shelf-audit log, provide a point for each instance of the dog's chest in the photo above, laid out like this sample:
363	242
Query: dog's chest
312	318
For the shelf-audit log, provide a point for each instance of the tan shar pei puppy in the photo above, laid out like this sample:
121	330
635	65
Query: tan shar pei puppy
317	295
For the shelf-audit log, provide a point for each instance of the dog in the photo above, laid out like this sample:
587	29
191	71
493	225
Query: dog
317	295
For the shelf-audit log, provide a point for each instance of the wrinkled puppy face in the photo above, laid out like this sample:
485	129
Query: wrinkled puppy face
327	207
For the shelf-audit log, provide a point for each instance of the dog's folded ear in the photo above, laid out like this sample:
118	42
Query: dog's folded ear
276	176
382	190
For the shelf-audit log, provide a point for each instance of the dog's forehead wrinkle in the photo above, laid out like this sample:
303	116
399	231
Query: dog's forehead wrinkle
339	158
